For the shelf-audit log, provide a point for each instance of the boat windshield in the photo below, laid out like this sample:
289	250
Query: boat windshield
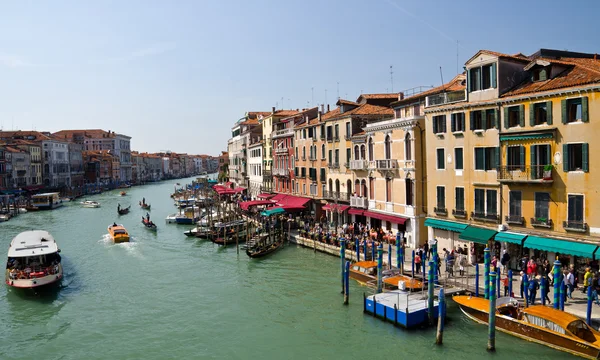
119	231
33	266
581	330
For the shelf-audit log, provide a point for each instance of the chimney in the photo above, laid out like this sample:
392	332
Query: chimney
319	115
322	108
400	96
327	107
273	110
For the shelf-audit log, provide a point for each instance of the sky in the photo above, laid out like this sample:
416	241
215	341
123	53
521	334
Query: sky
176	75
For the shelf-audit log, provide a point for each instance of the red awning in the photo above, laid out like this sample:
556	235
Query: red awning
385	217
278	197
354	211
245	205
292	201
239	189
229	183
265	196
334	207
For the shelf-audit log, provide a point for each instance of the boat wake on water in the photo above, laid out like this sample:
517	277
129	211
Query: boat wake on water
132	247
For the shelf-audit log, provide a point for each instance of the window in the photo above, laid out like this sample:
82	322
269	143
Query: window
356	152
337	131
304	153
575	157
337	156
539	75
540	113
304	188
475	79
371	151
348	155
348	130
439	124
409	192
304	133
492	202
458	159
514	116
515	157
388	147
486	77
441	197
479	201
303	172
330	156
388	190
407	148
362	152
323	151
310	132
329	133
477	120
459	198
574	110
481	78
441	164
322	174
514	204
323	134
575	208
486	158
490	119
457	122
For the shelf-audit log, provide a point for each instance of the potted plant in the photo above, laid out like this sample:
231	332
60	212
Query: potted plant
547	172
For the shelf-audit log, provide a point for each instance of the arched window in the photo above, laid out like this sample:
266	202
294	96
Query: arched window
388	147
303	152
362	152
349	185
356	153
357	187
371	150
407	147
371	188
337	186
363	190
296	152
323	151
330	185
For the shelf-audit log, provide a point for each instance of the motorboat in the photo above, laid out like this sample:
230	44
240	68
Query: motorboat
123	193
46	201
4	217
33	260
90	204
537	323
366	272
192	232
118	233
171	218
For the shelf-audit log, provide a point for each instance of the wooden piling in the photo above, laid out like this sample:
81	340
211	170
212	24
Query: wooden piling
439	336
347	283
492	313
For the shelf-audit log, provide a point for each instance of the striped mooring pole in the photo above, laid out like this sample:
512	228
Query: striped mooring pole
436	257
557	284
588	317
525	286
430	287
398	251
510	280
413	263
389	256
492	314
439	336
543	290
343	257
486	273
347	283
357	245
379	267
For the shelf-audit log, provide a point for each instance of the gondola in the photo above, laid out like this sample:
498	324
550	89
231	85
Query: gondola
149	224
230	238
260	251
124	211
145	206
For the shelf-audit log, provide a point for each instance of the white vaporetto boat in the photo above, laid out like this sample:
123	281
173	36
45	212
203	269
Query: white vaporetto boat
90	204
33	260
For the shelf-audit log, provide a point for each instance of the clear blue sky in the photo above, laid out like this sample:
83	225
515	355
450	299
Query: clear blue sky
177	74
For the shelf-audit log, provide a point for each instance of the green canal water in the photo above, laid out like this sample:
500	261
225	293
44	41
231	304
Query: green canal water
166	296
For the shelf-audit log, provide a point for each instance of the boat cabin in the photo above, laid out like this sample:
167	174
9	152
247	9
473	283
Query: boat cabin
560	322
365	267
46	201
32	254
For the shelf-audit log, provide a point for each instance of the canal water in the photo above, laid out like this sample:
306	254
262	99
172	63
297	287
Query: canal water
166	296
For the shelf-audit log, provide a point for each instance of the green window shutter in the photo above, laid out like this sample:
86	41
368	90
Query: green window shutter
533	154
452	119
585	157
493	75
548	155
445	120
472	121
584	109
563	107
506	118
497	119
565	156
479	155
484	119
468	81
497	158
522	115
549	112
434	125
462	122
531	114
522	156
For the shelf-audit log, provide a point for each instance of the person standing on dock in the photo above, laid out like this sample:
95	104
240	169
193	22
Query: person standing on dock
426	250
417	262
532	289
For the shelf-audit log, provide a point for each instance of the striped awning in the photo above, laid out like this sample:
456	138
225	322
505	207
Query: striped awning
526	137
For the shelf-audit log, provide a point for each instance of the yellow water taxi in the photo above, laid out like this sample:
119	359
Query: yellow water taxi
118	233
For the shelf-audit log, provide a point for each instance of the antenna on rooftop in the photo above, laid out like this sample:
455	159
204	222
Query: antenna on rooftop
392	77
441	76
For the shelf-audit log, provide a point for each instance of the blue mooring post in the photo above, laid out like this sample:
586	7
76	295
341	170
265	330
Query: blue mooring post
486	273
492	314
510	280
557	284
390	256
563	294
379	267
588	317
343	257
439	336
398	251
543	290
436	257
430	287
413	264
373	252
365	249
476	280
357	245
347	283
498	284
401	258
525	286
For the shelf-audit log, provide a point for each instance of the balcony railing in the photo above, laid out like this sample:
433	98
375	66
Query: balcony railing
358	164
440	211
514	219
526	174
485	217
359	202
541	222
282	133
281	172
334	165
388	164
336	195
281	150
336	138
312	158
459	213
445	98
577	226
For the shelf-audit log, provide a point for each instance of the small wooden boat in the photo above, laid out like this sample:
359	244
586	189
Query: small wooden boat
123	193
118	233
123	211
149	224
366	271
260	251
90	204
144	206
541	324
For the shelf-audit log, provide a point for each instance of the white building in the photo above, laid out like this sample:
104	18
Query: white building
255	167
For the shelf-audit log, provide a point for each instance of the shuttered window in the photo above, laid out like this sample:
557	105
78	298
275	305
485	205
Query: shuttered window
576	157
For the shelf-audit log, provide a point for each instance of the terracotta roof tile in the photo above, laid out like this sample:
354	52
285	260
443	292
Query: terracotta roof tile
379	96
362	110
455	84
285	112
346	102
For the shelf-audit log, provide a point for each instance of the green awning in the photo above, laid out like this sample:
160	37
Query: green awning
477	234
526	137
561	246
445	225
273	211
510	237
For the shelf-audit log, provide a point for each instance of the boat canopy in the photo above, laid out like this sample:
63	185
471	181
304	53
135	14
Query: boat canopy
31	243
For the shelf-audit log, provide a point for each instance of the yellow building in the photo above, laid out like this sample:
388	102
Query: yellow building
517	168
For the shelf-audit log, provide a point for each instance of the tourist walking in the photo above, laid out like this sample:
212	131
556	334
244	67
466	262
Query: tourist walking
532	289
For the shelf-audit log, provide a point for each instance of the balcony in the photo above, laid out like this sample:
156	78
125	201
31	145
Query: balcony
281	150
334	165
336	138
282	133
495	218
267	175
445	98
459	213
442	211
525	174
336	195
358	164
359	202
542	223
514	219
386	164
281	172
575	226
